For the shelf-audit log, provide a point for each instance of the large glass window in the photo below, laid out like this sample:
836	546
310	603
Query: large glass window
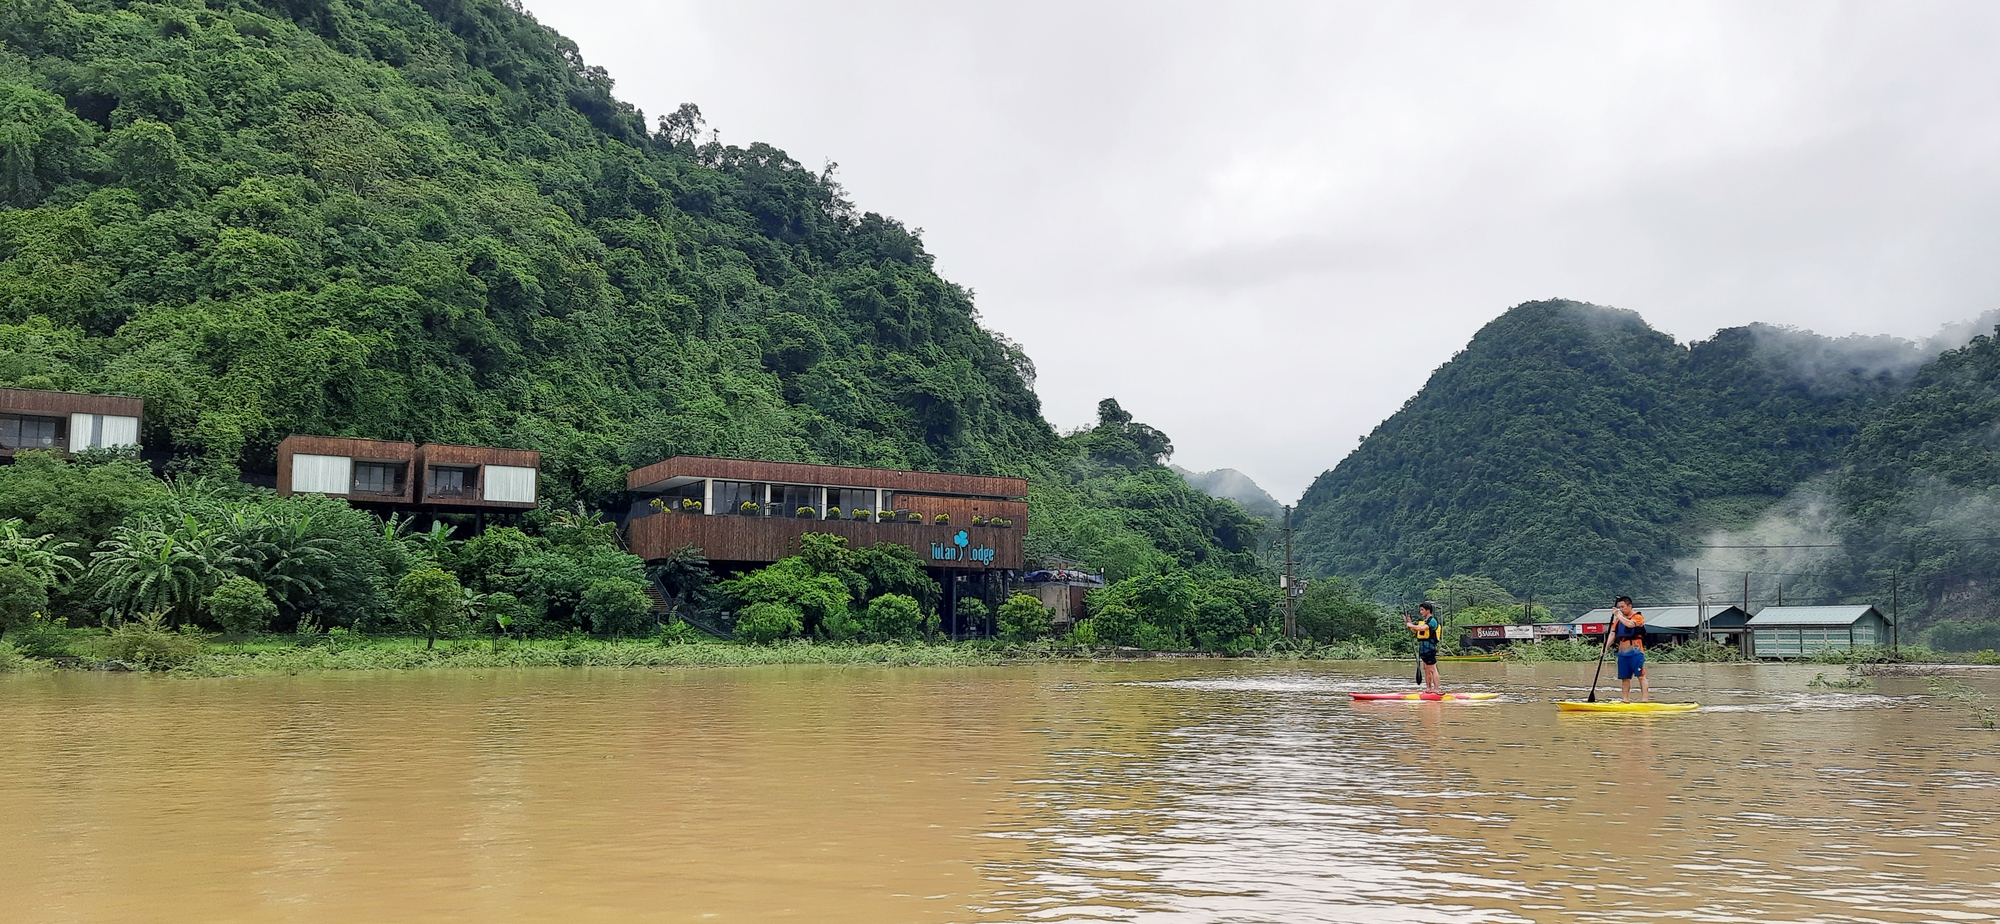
741	497
849	500
451	481
21	432
378	478
788	499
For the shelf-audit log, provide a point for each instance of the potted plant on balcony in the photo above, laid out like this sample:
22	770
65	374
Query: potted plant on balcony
1003	524
750	508
864	515
833	513
690	505
942	519
978	520
658	505
807	513
913	517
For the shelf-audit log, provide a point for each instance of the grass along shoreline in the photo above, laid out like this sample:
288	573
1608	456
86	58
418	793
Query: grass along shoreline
193	654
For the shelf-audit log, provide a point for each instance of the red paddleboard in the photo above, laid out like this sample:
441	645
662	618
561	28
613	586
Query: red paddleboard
1427	697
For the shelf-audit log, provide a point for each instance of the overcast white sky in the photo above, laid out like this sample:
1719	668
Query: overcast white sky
1261	226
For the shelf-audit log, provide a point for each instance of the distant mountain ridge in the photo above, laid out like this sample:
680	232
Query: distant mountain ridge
1571	450
1230	484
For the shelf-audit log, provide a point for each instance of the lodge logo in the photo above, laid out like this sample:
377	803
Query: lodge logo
959	549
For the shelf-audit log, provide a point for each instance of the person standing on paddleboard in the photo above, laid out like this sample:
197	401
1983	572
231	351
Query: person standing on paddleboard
1628	626
1427	631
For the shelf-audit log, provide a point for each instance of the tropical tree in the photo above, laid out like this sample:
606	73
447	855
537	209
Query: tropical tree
22	595
152	568
241	606
1023	618
431	600
45	556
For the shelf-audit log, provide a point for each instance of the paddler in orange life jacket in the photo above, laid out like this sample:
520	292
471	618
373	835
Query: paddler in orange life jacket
1427	633
1628	626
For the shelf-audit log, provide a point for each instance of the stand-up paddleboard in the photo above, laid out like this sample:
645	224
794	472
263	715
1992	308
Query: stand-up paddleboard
1463	659
1425	697
1570	705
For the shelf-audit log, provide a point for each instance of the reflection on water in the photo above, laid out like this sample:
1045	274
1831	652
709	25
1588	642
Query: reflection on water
1180	791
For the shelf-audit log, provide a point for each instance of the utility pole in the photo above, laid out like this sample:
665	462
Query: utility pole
1895	613
1746	593
1700	608
1287	583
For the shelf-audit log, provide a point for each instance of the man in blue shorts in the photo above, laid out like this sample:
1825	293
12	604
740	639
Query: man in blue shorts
1628	626
1428	634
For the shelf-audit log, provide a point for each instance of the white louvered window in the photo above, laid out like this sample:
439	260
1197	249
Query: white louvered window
322	474
510	484
102	431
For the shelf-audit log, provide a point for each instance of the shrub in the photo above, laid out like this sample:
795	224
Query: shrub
42	636
148	642
432	601
1569	649
679	633
22	595
1024	619
893	616
616	608
1698	651
763	623
11	659
1083	635
241	606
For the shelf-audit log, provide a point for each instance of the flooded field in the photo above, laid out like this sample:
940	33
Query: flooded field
1173	791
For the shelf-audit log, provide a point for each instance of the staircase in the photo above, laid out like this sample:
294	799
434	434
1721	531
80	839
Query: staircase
663	610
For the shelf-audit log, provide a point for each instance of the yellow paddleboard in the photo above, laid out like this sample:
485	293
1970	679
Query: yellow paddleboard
1570	705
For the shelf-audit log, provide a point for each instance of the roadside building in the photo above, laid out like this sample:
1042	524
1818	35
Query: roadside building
31	418
1803	631
1062	591
1671	625
743	514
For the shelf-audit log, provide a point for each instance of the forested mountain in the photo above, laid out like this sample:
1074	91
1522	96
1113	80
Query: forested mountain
430	220
1919	502
434	222
1573	452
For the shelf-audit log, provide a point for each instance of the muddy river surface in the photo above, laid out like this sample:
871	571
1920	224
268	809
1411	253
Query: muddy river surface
1164	791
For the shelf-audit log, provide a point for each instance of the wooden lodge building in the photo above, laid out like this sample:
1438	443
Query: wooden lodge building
745	514
433	477
31	418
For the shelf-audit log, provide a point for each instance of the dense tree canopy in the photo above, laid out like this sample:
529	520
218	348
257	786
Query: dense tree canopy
433	222
1572	451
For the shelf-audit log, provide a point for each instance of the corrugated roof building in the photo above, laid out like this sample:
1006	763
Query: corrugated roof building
1670	624
1802	631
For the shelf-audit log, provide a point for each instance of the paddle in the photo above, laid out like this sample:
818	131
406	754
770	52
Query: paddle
1600	659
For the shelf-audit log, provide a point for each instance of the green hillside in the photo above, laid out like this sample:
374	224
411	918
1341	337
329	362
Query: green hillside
432	221
1573	452
1920	495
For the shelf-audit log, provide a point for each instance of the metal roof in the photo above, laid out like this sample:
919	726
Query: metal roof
1666	617
1811	615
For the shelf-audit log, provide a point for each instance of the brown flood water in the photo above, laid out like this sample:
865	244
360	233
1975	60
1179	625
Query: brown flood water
1169	792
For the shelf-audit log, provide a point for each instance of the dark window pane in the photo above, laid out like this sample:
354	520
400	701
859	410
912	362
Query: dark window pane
378	478
450	482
